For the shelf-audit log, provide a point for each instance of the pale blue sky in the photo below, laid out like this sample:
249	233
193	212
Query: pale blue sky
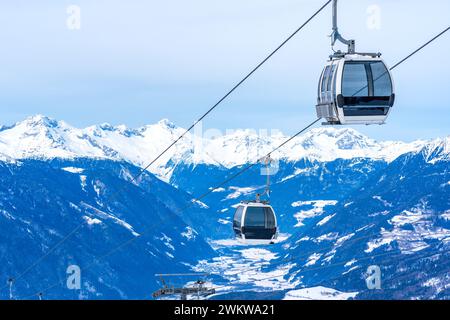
136	61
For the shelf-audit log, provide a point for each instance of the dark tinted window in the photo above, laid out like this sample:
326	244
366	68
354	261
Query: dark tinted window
320	82
238	216
325	78
330	78
366	79
259	217
255	217
354	80
382	85
270	218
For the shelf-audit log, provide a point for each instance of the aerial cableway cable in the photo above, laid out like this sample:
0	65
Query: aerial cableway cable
24	272
230	178
251	165
420	48
234	88
135	177
191	203
245	168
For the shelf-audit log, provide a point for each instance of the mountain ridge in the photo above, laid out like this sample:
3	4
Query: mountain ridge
41	137
336	217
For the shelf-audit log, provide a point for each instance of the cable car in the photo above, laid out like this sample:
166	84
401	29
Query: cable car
255	222
354	88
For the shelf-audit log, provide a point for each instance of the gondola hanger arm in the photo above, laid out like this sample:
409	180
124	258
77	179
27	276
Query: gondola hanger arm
336	36
267	160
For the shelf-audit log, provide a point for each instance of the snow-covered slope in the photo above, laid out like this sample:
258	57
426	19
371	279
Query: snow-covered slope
343	202
126	231
44	138
339	218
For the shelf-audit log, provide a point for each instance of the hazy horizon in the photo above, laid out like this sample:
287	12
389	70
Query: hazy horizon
137	62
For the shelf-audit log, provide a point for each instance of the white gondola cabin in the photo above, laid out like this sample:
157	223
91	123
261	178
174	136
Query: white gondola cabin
355	89
255	222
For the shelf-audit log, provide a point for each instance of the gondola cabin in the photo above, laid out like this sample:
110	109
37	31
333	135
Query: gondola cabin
355	89
255	222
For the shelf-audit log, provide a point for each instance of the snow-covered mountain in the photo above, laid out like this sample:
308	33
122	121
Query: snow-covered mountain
343	201
336	219
40	137
119	232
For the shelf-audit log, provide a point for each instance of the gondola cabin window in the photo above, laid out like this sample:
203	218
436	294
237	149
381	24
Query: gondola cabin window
238	216
354	80
255	217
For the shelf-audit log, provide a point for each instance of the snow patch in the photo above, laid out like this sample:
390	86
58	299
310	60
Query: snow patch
112	217
327	237
167	241
438	284
189	234
313	259
318	293
199	203
407	217
92	221
258	254
421	227
342	239
6	214
247	271
239	191
299	171
384	202
350	263
445	215
73	169
325	220
317	209
83	182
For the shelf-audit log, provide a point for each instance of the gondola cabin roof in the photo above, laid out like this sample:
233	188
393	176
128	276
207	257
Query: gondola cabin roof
254	203
355	56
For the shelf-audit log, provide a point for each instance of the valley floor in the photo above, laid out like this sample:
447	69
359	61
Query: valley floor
253	272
